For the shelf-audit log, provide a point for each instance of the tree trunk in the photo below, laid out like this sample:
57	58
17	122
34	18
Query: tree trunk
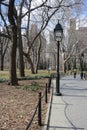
64	67
12	19
2	58
21	61
20	46
30	62
3	51
2	63
13	75
38	55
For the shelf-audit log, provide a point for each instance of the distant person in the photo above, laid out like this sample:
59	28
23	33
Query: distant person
81	75
49	69
74	73
84	74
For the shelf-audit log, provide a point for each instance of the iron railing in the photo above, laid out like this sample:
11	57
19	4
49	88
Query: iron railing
39	105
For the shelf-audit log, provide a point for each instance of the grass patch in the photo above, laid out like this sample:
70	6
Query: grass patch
3	80
4	74
34	86
41	73
26	87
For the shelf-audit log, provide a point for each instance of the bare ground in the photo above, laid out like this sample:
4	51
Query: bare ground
17	106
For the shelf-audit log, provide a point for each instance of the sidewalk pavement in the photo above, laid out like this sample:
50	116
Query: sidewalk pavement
69	111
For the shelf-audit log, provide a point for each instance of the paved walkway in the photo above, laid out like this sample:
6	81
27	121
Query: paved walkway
69	111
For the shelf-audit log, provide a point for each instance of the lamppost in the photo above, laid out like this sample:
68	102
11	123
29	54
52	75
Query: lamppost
58	35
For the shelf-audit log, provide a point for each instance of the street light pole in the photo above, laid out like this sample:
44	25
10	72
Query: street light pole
58	34
58	74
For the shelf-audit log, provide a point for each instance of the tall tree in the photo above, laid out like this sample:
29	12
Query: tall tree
20	45
3	48
12	16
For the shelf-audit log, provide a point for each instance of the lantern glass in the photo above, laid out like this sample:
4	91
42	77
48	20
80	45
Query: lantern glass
58	35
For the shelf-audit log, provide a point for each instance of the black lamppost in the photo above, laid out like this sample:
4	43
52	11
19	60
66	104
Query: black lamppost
58	35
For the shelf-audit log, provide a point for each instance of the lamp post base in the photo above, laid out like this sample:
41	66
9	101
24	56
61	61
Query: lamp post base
58	94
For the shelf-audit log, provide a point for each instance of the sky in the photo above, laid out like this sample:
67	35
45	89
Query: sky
85	8
82	16
82	19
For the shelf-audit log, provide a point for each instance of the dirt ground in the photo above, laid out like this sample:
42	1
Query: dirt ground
18	105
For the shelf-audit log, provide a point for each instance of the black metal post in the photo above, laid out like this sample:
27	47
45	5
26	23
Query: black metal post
58	74
49	84
46	94
39	111
81	68
82	64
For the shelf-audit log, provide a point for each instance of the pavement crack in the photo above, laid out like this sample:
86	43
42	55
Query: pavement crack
65	112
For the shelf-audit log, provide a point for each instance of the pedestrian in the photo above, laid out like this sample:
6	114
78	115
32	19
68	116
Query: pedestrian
84	75
74	73
81	75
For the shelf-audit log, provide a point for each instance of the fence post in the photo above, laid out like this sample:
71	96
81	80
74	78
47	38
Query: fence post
39	110
46	93
49	84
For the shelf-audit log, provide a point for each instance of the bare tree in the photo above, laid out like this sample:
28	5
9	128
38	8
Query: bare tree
20	45
40	13
12	16
3	48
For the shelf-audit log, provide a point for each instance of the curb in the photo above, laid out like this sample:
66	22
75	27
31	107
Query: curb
47	120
